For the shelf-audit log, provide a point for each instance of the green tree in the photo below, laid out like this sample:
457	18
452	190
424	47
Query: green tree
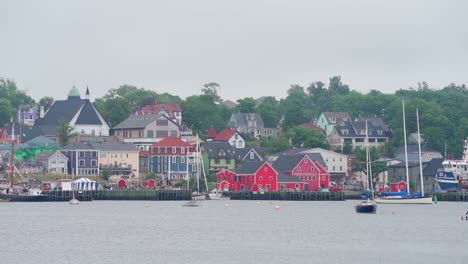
106	173
200	112
113	110
246	105
211	89
45	101
276	144
65	133
337	87
6	112
360	163
305	137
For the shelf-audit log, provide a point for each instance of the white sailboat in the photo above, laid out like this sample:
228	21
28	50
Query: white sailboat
417	198
200	168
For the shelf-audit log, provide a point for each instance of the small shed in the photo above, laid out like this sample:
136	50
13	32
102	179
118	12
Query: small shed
222	185
151	183
398	186
122	184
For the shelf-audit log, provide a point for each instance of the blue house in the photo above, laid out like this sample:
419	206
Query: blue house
83	159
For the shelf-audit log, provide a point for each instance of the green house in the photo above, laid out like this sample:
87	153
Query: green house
218	156
27	151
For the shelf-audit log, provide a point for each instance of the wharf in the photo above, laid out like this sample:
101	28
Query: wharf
185	195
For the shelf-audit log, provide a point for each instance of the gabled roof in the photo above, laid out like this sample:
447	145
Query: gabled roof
44	155
77	146
225	135
88	115
242	119
115	146
339	116
243	152
213	149
354	128
287	178
171	142
138	121
211	133
433	166
248	168
156	108
287	162
40	140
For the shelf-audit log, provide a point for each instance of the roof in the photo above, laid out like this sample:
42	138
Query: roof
225	135
171	142
249	167
229	103
354	128
88	115
211	133
243	152
77	145
287	178
287	162
47	154
313	127
212	149
433	166
41	140
137	121
115	146
27	132
74	92
403	165
157	108
413	148
242	119
339	116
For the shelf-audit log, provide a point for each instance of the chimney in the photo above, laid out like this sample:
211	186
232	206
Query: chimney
41	112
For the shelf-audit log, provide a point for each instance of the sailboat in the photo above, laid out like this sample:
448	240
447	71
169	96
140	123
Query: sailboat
406	197
368	205
200	168
19	194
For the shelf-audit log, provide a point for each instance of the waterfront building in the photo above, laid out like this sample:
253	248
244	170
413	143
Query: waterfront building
172	111
83	159
119	158
218	155
53	162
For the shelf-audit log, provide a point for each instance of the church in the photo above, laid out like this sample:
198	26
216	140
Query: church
79	113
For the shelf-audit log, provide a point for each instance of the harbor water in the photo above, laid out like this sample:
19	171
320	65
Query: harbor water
231	232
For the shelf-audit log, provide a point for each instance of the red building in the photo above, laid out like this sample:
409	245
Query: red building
256	176
398	186
305	169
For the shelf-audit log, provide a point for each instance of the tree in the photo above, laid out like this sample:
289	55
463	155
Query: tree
113	110
211	89
200	113
46	101
347	148
6	112
246	105
337	87
374	165
106	173
276	144
305	137
64	133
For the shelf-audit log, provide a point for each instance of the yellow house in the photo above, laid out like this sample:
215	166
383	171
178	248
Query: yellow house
120	158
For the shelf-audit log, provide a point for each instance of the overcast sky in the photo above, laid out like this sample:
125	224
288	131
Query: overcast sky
251	48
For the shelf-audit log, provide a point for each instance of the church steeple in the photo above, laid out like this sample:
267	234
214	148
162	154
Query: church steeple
87	93
74	92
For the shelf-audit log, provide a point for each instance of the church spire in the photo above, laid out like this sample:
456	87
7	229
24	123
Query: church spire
87	93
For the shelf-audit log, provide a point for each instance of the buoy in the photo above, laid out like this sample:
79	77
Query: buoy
258	202
277	207
227	205
92	203
271	202
393	213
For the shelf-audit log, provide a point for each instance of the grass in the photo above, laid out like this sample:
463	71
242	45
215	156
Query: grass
49	177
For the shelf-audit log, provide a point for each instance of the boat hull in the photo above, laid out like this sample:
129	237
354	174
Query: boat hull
447	185
23	198
366	208
404	200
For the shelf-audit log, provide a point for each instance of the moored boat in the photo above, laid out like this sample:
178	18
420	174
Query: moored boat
447	181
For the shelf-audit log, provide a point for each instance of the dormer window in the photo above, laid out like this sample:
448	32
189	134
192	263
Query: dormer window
345	131
363	132
379	132
332	119
346	119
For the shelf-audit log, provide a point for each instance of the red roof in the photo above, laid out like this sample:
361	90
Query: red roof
225	135
171	142
156	108
211	133
229	103
313	127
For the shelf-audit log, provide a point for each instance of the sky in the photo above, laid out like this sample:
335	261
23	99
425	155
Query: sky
251	48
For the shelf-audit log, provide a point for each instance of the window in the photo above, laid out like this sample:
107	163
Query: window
161	133
299	168
345	131
94	163
265	169
81	162
323	178
313	178
93	132
103	155
182	150
81	154
165	149
149	133
333	120
162	122
228	161
82	131
268	185
173	133
217	161
259	186
182	159
174	150
341	168
94	154
312	169
271	178
236	136
306	160
260	178
174	159
379	132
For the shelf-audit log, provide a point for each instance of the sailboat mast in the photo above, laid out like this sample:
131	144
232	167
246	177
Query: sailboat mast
12	153
406	150
198	165
419	148
367	158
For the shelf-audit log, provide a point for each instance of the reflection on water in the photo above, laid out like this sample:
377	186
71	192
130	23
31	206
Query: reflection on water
231	232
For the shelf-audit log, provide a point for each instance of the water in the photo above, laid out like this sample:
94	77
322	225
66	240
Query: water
243	232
